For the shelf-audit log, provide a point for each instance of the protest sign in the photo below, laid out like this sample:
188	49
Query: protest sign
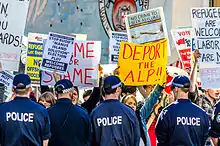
34	56
6	78
12	24
183	42
114	45
83	70
57	53
143	64
147	26
210	77
206	22
81	37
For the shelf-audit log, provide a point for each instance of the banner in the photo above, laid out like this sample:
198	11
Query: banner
206	22
183	42
83	70
34	56
12	24
143	64
147	26
114	45
57	53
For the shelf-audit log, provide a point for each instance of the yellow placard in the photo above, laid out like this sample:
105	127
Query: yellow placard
143	64
34	58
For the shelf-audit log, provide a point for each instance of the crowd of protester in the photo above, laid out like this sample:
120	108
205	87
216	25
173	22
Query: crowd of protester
110	114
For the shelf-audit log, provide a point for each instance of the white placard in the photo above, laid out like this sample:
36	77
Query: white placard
12	24
57	53
206	22
147	26
114	45
84	65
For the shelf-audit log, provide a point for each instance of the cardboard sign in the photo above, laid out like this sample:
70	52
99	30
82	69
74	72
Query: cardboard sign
183	42
206	22
12	24
6	78
57	53
114	45
147	26
34	56
83	70
143	64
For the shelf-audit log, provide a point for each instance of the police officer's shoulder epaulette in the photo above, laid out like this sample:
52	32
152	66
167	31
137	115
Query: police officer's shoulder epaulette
171	104
198	107
82	108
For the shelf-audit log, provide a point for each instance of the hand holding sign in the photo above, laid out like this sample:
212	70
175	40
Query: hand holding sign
197	55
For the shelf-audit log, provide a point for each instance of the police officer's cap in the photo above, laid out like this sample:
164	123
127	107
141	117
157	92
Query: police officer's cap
112	82
63	86
180	81
21	81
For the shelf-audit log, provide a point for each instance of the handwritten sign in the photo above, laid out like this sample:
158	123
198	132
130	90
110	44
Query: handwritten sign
147	26
206	22
183	42
57	53
83	70
34	56
12	24
143	64
114	45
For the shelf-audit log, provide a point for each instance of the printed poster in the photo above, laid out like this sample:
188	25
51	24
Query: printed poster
114	45
34	56
6	78
12	24
84	65
57	53
183	42
143	64
147	26
206	22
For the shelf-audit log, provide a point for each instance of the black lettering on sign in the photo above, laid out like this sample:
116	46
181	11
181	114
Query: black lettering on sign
4	8
207	57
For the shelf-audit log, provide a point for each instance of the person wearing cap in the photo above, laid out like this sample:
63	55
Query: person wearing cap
23	122
113	122
70	124
182	122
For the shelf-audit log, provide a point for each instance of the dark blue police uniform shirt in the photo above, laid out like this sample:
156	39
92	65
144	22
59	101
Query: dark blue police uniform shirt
182	124
114	124
23	123
70	124
215	123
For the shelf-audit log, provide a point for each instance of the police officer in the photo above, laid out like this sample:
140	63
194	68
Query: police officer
23	122
182	122
114	123
70	124
214	132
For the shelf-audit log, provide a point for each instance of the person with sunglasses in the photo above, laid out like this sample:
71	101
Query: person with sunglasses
70	124
113	122
182	122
